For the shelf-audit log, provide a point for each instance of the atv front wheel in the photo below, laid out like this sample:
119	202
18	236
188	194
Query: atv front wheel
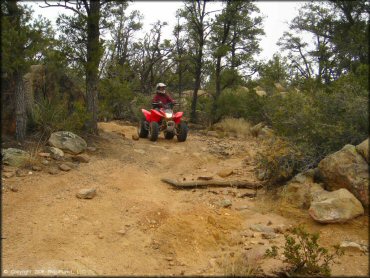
182	132
143	129
154	131
169	135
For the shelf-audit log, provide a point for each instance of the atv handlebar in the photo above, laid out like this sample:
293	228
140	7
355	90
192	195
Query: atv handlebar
160	104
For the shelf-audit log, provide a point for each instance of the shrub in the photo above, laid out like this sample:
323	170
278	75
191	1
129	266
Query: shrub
241	265
231	125
304	255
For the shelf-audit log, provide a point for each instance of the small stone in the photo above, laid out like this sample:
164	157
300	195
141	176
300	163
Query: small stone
81	158
44	154
64	167
91	149
21	173
122	232
269	223
225	173
280	229
261	228
261	243
45	162
14	189
100	236
224	203
268	235
135	137
8	175
53	171
36	168
171	263
241	208
30	173
169	258
86	193
56	152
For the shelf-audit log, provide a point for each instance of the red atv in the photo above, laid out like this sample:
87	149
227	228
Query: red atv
163	118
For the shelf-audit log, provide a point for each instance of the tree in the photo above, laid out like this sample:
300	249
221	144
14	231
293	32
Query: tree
89	17
198	26
23	43
234	32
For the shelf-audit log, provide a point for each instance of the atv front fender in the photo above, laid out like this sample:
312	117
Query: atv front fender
146	114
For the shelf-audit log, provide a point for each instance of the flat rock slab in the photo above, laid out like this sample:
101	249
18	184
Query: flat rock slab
83	158
64	167
86	193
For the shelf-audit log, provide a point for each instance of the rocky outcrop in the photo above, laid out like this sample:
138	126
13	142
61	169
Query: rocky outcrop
14	157
346	169
301	195
363	149
335	207
68	142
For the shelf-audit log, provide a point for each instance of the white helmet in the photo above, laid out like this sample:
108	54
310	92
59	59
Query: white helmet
160	85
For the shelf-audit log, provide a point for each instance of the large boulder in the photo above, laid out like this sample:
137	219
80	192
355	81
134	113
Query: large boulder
363	149
335	207
68	142
346	169
14	157
300	195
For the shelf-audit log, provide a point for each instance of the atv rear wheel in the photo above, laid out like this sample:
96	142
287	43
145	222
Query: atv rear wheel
169	135
143	129
182	132
154	131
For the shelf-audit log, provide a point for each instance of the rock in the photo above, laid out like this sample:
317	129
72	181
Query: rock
86	193
139	151
224	203
363	149
305	177
335	207
8	175
262	174
354	246
45	162
122	232
91	149
100	236
346	168
300	195
64	167
14	189
68	142
261	228
256	129
71	164
53	171
269	235
55	152
44	154
81	158
280	229
21	173
241	208
36	168
14	157
135	137
225	173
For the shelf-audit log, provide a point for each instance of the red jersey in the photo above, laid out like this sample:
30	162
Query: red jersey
164	98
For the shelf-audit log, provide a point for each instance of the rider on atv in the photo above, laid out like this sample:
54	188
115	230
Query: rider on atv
161	97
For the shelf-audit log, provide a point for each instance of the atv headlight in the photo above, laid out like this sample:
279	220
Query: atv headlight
168	115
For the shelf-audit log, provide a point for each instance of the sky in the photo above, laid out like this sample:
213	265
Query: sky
277	15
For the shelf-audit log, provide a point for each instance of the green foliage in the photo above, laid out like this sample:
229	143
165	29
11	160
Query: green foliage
304	255
280	160
241	103
52	115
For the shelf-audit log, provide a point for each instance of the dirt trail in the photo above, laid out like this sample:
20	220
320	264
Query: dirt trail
138	225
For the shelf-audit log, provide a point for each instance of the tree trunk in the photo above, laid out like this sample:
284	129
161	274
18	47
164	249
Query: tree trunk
92	65
218	90
198	72
20	108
